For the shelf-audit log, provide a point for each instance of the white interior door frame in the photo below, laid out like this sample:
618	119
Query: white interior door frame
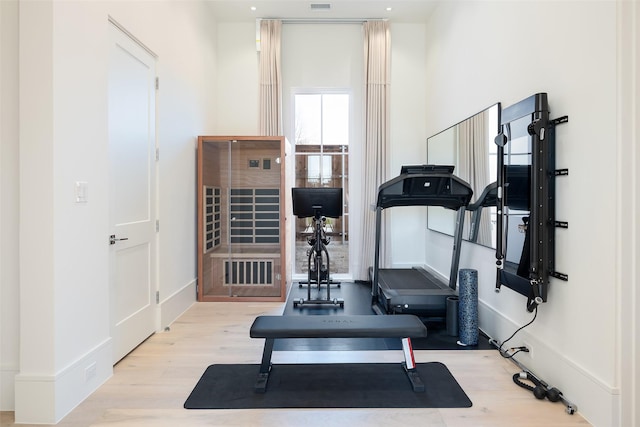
628	228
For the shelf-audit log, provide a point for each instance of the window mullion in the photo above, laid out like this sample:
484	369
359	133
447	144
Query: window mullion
321	139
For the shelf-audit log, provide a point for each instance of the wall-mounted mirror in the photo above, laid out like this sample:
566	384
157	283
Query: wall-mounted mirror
469	146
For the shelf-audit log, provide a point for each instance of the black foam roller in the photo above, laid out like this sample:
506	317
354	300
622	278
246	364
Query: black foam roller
452	316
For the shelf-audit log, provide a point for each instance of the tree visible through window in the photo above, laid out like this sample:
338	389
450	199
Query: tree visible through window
322	149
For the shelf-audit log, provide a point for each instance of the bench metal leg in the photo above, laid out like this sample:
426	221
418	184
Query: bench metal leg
409	366
265	367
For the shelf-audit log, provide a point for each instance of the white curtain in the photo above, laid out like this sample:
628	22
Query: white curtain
474	166
270	78
377	49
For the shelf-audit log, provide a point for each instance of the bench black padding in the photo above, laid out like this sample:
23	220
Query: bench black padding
403	326
364	326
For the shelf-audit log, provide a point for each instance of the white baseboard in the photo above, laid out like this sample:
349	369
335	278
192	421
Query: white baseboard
597	401
7	384
177	303
46	399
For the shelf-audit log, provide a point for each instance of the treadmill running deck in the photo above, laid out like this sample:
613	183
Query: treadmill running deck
413	290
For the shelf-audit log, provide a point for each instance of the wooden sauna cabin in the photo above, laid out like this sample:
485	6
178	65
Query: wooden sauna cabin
242	210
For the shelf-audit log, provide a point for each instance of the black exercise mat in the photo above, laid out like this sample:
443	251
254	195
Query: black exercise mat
364	385
357	300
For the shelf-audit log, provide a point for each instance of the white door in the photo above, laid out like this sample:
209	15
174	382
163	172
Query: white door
132	193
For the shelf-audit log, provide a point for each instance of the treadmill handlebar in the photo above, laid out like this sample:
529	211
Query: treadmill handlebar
489	197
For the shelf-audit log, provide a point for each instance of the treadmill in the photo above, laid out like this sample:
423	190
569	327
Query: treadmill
416	290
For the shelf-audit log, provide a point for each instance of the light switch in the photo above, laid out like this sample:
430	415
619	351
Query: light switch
82	192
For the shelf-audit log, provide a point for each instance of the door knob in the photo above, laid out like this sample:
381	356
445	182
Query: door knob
113	240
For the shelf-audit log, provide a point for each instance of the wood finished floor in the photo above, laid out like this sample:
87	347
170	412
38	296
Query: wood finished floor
150	385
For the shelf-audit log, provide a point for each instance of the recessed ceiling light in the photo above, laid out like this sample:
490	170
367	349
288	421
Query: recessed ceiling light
253	8
389	9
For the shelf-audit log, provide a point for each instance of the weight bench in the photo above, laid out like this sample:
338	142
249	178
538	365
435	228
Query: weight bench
405	326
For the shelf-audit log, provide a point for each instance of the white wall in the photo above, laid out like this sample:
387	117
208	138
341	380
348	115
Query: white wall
237	79
483	52
64	313
408	136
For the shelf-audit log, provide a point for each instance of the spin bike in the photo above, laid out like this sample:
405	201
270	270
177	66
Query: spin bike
318	204
318	263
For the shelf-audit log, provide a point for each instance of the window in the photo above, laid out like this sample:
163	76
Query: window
321	151
322	119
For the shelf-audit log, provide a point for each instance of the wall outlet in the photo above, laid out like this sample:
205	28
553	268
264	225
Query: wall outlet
90	371
530	352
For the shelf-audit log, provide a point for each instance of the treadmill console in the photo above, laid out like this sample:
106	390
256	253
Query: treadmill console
427	169
425	185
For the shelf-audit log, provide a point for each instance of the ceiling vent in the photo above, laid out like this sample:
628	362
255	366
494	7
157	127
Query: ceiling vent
320	7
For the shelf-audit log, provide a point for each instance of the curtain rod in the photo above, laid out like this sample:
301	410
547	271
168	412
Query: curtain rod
324	20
